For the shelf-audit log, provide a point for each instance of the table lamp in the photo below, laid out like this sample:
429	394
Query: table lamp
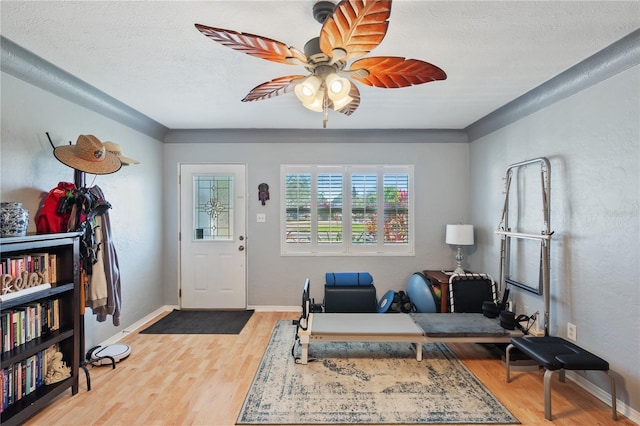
459	235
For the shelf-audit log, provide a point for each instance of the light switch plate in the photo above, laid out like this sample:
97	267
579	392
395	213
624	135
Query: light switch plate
261	217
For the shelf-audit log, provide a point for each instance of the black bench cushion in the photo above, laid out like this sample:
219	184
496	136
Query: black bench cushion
555	353
350	299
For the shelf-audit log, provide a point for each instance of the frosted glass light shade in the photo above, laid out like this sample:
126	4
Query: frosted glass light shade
307	89
459	235
341	103
337	87
317	103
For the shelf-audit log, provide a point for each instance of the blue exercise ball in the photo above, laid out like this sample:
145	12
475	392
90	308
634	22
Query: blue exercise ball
421	294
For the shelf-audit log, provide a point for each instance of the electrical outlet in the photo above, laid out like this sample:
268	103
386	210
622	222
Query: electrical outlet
572	332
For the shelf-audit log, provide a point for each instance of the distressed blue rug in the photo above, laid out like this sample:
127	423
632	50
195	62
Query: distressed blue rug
366	383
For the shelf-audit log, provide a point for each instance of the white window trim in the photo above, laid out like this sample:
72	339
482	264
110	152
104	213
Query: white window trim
346	248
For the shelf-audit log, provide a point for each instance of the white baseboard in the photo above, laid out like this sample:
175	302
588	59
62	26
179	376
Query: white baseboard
603	396
136	325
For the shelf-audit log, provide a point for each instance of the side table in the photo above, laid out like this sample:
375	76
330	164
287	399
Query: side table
440	279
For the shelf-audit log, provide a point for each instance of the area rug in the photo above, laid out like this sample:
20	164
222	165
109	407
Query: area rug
200	322
366	383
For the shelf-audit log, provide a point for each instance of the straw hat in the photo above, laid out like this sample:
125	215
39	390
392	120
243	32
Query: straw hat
88	155
115	149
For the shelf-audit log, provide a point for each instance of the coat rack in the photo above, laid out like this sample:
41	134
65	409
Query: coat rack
79	180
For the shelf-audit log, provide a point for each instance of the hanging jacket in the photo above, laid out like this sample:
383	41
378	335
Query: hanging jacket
97	295
109	272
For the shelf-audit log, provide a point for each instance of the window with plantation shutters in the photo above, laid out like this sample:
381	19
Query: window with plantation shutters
352	209
328	210
298	208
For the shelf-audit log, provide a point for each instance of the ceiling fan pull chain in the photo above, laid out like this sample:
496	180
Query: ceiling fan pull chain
325	110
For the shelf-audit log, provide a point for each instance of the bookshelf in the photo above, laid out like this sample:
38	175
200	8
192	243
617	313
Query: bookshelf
59	325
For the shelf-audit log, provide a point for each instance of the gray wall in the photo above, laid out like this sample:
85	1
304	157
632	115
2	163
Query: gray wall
592	140
30	170
441	184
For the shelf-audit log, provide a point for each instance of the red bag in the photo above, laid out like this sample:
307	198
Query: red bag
53	216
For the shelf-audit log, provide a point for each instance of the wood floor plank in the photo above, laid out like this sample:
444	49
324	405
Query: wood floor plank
203	380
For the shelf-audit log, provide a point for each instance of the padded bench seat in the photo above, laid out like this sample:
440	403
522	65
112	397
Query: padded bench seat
415	329
558	354
364	327
475	326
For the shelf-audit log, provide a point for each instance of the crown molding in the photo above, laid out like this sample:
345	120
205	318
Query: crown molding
612	60
26	66
390	136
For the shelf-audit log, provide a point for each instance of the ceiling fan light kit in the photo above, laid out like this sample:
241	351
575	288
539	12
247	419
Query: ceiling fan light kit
350	29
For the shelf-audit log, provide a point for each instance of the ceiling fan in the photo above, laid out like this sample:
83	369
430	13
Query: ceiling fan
350	29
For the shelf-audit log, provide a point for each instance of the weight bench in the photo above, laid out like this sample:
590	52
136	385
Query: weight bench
557	354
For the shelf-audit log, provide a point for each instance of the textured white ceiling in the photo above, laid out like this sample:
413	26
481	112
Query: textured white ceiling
148	55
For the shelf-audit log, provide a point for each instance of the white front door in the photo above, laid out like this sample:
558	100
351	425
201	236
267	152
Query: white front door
212	236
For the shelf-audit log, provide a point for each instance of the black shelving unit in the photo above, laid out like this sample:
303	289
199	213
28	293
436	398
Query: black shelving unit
66	246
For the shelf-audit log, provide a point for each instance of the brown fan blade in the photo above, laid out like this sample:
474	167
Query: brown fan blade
356	27
273	88
254	45
351	107
392	72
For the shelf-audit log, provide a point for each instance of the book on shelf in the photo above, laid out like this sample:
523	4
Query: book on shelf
42	264
53	270
25	377
26	323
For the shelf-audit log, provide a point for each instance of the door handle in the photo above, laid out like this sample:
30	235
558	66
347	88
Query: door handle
241	248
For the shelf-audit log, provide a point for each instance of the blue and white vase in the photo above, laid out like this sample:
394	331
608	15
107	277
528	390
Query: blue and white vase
14	220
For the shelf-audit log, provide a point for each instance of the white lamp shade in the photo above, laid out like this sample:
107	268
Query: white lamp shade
459	235
337	87
307	89
317	103
341	103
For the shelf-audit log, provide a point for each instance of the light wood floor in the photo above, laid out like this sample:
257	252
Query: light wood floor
203	380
